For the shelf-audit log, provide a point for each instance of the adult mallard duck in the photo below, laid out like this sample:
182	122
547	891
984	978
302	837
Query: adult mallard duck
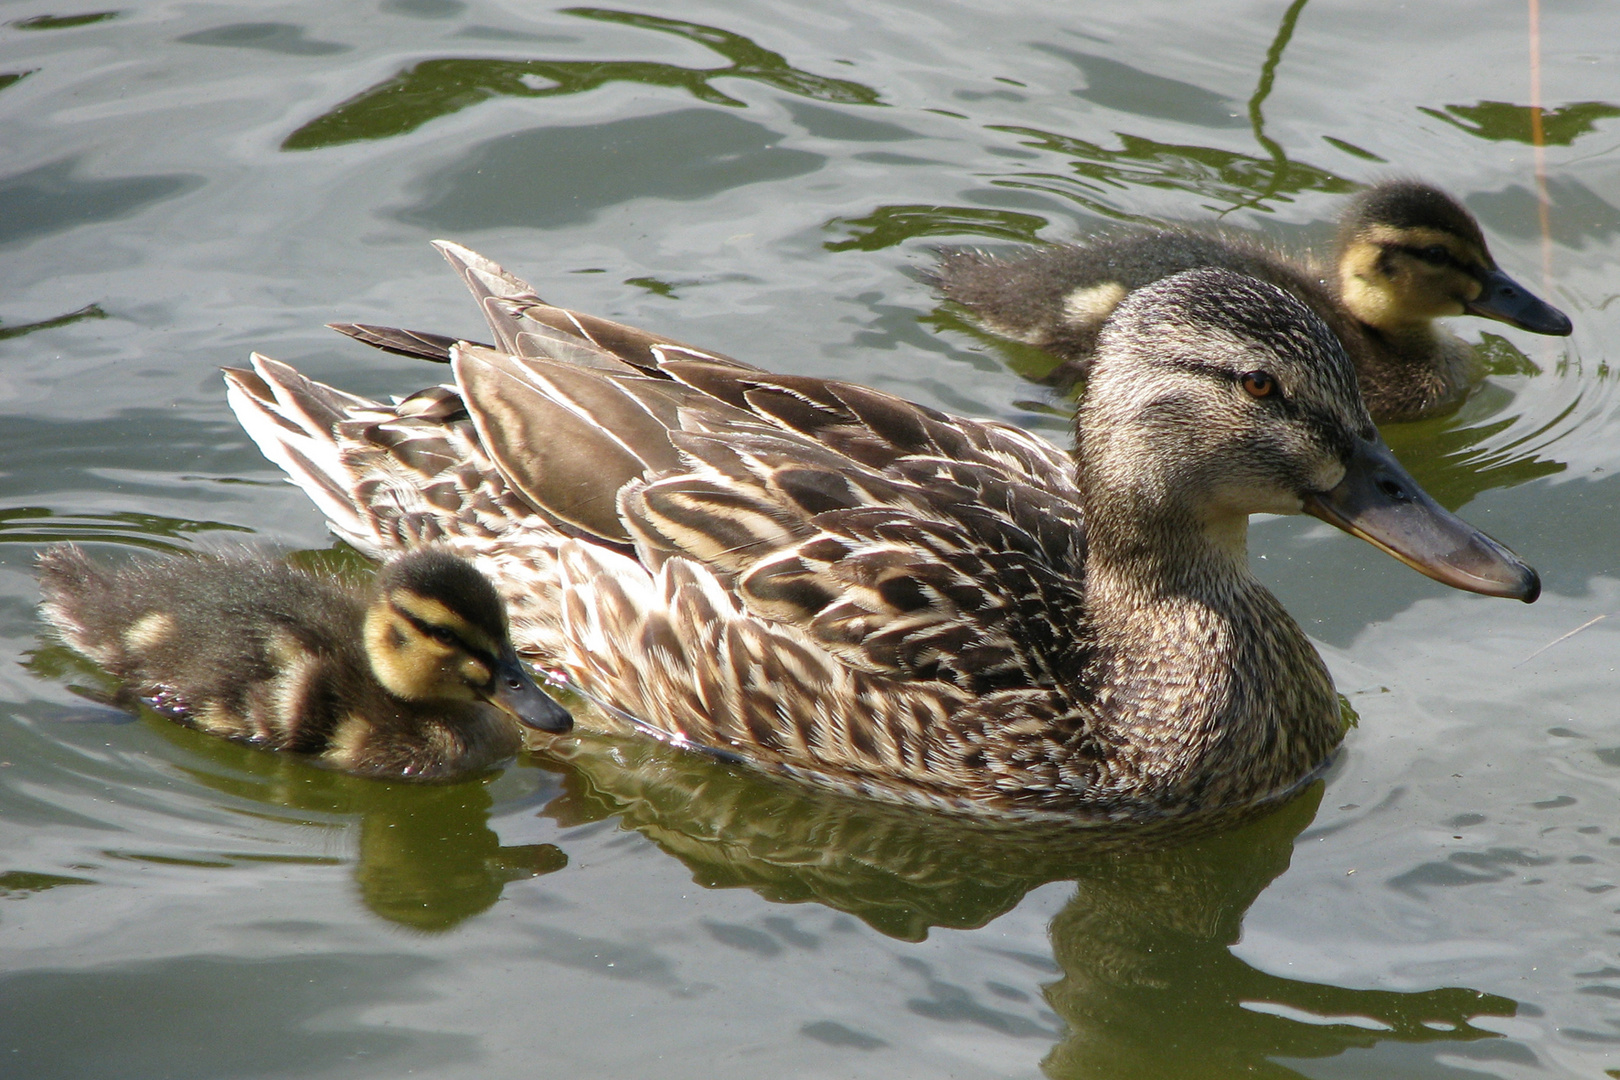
822	579
417	680
1407	254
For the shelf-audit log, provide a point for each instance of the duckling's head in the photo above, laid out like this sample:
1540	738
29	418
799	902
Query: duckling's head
436	631
1214	396
1409	253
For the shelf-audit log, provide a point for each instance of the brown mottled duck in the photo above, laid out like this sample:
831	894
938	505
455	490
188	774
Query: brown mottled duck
826	581
417	680
1406	255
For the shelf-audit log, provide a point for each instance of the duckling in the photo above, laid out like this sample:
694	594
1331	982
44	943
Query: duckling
416	681
1407	253
819	579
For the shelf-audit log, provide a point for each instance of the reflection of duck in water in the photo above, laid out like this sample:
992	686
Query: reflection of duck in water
428	859
1151	988
830	582
424	854
417	681
1149	984
1406	255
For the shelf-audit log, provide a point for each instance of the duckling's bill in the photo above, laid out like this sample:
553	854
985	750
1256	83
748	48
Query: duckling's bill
1507	301
515	692
1379	501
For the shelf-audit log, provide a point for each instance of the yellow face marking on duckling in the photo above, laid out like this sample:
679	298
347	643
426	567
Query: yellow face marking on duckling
432	613
1395	278
421	650
474	672
149	631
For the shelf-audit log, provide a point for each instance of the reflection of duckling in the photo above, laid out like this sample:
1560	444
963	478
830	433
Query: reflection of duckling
1406	255
255	650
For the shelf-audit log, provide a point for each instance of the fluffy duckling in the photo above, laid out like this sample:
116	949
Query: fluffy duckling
417	681
1406	255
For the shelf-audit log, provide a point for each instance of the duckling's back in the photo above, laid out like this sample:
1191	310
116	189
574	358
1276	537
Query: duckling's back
237	646
1058	297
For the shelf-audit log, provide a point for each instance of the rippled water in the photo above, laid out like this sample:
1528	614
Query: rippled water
181	183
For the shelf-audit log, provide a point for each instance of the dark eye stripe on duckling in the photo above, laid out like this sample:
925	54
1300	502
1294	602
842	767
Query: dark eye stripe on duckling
433	620
1433	254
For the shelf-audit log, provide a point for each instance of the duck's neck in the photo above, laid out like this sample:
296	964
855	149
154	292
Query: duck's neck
1214	692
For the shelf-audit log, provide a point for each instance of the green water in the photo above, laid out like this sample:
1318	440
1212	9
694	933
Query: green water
183	183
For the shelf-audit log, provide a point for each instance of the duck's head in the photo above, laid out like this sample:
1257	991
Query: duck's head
1409	253
436	631
1214	396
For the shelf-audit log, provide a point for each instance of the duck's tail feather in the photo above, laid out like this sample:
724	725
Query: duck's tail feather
525	325
417	344
294	421
388	477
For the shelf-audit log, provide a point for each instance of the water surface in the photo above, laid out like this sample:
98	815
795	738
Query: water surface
182	183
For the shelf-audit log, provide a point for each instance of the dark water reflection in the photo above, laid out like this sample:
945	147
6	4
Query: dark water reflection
436	88
552	177
63	22
1118	86
284	38
1500	121
426	857
89	311
1149	986
55	196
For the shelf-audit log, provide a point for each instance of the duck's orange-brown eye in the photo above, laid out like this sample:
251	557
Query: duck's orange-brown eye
1259	383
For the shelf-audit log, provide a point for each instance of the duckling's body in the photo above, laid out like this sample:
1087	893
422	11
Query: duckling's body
399	682
827	581
1407	254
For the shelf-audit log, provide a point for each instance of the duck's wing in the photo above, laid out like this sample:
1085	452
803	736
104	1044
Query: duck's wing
904	541
388	477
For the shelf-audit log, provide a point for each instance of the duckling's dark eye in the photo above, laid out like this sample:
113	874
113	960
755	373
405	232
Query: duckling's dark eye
1435	254
442	636
1258	383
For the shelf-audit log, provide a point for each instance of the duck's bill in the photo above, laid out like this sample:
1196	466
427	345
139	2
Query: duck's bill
1512	303
516	692
1380	502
